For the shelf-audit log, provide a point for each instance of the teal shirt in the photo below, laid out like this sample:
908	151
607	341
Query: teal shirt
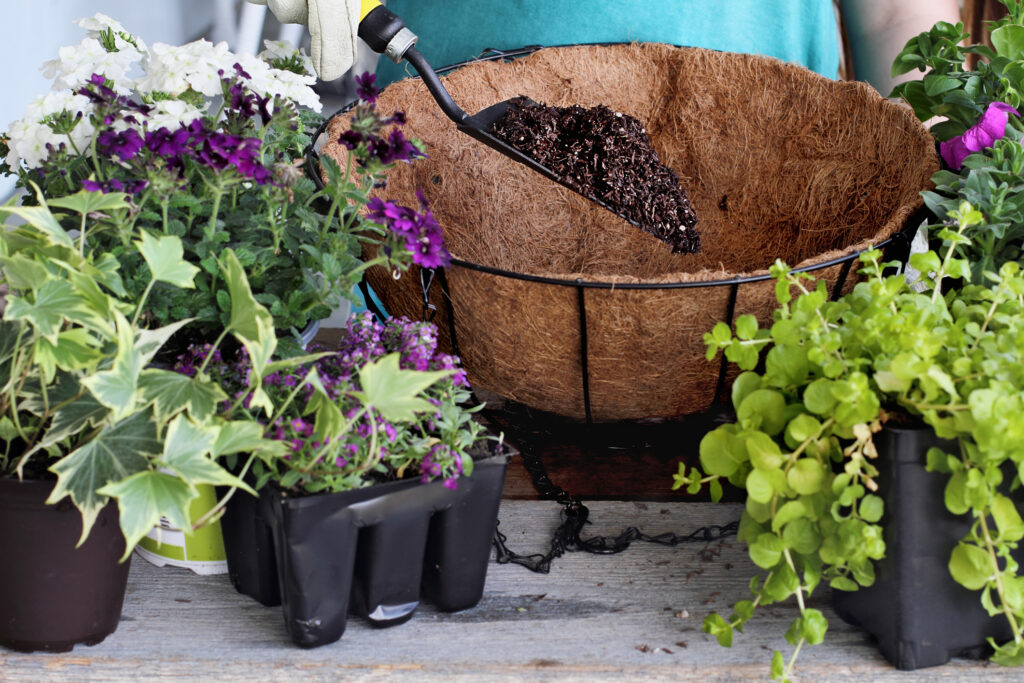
452	31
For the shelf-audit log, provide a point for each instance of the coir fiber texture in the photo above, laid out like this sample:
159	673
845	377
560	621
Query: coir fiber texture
779	163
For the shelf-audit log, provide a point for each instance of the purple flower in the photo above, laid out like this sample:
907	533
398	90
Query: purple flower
167	144
420	230
125	145
114	185
366	87
351	139
991	127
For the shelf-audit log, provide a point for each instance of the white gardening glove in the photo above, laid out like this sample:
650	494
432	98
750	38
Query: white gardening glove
333	25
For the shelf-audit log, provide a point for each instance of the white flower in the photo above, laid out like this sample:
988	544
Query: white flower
171	114
76	64
268	82
98	23
29	136
280	49
174	69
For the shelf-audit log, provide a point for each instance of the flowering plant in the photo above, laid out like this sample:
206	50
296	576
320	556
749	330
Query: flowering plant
978	128
385	405
207	146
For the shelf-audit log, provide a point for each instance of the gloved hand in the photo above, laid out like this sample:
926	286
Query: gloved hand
333	25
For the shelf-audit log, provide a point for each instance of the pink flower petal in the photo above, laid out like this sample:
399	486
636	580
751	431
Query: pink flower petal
1004	107
992	124
954	152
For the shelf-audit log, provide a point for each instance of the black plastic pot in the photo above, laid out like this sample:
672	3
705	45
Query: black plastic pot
384	548
919	615
52	594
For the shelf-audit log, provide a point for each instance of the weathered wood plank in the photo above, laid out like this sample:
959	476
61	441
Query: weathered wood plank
632	615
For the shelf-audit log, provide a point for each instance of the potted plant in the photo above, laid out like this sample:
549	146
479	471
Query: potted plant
209	146
94	446
374	498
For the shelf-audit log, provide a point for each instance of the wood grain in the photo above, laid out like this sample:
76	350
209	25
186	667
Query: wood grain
632	615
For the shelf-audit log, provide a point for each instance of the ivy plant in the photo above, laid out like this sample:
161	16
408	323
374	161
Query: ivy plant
78	400
833	374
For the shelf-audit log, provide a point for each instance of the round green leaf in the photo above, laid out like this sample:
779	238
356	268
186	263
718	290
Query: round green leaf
759	486
721	452
766	551
806	476
763	409
970	566
818	397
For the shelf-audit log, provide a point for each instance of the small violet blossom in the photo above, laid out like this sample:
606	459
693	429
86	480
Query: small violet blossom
991	127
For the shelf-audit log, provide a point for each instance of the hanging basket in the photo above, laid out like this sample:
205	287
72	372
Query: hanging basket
558	304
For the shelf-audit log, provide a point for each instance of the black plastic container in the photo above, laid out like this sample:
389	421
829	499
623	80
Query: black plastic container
920	616
383	549
52	594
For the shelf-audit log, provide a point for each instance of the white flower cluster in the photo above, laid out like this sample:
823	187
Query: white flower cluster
170	70
29	137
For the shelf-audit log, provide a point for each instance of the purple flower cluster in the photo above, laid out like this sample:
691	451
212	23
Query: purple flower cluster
431	466
419	229
124	144
365	134
243	102
114	185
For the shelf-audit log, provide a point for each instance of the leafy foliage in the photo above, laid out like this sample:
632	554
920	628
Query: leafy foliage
834	372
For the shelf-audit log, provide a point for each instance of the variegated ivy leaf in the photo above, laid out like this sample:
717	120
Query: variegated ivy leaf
394	392
144	498
172	392
104	269
75	350
73	418
23	273
164	256
85	202
117	387
187	449
9	335
243	436
247	315
40	218
116	453
52	302
149	342
261	350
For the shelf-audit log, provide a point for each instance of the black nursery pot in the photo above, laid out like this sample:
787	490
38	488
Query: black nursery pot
919	615
383	548
52	594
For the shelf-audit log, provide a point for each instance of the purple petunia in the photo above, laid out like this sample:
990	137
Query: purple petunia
166	143
420	230
983	134
114	185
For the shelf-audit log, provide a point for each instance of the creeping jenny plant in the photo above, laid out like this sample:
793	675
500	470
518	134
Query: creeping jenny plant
834	373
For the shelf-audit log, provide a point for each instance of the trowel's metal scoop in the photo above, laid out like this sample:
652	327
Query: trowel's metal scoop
386	34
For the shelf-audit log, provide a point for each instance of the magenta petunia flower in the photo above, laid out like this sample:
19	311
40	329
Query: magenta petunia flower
983	134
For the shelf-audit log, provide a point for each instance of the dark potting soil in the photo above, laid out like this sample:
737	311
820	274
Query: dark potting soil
607	155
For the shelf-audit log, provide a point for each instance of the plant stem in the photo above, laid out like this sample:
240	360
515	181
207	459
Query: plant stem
142	302
990	548
209	355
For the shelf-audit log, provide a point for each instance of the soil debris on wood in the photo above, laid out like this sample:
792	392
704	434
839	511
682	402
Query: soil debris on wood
609	156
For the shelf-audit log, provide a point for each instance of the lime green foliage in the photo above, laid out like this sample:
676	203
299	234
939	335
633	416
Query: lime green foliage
76	396
834	372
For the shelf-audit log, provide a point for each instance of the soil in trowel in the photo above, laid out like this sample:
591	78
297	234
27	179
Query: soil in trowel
606	155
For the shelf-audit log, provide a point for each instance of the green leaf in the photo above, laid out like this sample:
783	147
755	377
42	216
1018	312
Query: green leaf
53	300
763	409
165	257
249	319
187	450
144	498
149	342
871	508
117	388
172	392
970	566
788	512
1009	41
393	391
766	551
1008	520
23	273
745	383
806	476
786	365
115	454
84	202
75	417
764	453
759	486
720	452
73	351
718	627
778	665
812	626
243	436
40	218
746	326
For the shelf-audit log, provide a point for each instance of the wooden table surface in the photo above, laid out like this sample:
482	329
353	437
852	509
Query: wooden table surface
635	615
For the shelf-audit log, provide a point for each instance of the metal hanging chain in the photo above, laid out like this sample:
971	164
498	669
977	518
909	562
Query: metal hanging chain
575	515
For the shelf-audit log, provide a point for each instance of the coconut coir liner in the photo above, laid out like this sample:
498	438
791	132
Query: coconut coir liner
779	163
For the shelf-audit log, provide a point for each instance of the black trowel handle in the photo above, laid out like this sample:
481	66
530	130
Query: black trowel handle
386	34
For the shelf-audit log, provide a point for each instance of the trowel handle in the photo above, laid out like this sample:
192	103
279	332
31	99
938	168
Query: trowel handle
387	35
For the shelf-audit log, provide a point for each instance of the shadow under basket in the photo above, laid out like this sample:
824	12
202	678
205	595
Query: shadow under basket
558	304
385	547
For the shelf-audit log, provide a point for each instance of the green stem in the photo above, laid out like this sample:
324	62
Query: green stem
211	227
216	344
1000	590
142	303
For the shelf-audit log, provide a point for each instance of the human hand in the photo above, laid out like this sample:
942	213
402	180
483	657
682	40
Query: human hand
332	24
